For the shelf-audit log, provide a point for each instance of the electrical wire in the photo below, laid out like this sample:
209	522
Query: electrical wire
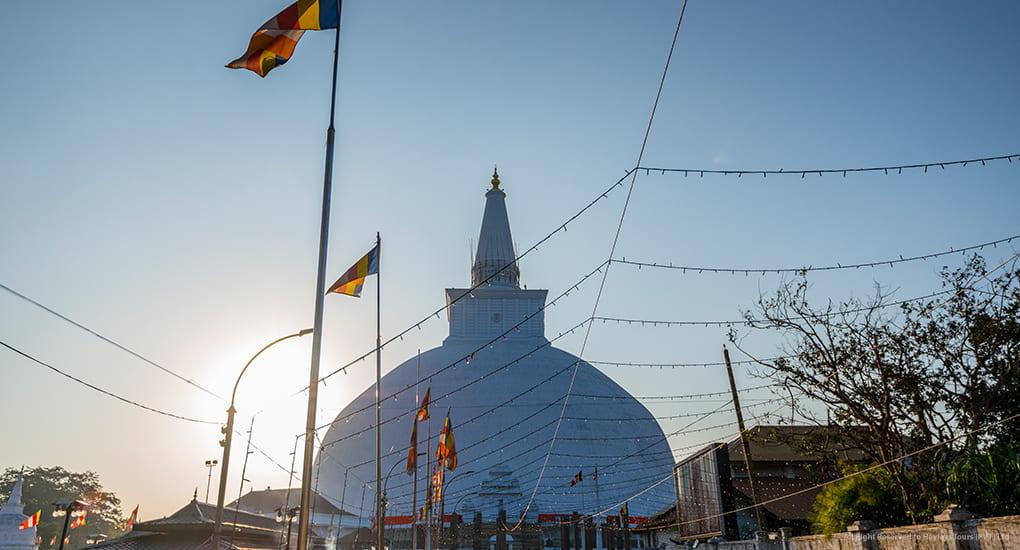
612	252
107	393
110	341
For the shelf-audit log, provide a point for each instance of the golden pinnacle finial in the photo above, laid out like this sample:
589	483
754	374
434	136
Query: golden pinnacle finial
495	178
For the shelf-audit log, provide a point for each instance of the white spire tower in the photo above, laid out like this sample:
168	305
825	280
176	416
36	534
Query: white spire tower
495	244
11	516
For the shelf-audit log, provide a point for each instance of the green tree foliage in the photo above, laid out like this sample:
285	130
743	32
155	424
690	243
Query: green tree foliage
870	496
925	388
43	486
987	482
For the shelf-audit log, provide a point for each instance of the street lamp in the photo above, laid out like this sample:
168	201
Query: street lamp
209	464
69	509
290	513
228	432
382	519
442	501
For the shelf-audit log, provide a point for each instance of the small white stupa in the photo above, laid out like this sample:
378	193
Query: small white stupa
11	517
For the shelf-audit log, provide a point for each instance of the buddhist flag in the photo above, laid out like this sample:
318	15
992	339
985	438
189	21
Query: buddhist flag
30	521
437	484
78	521
350	283
53	540
274	42
446	452
131	520
578	478
423	410
623	510
412	450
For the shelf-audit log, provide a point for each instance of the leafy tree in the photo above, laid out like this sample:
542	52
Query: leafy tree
916	386
866	496
987	482
43	486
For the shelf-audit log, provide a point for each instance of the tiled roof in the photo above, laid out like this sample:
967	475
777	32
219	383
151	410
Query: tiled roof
791	444
269	500
795	507
138	540
203	515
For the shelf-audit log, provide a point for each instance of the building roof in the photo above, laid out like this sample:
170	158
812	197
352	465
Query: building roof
200	517
268	501
792	444
190	528
796	507
139	540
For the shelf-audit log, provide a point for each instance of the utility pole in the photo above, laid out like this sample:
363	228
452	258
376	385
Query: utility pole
209	464
743	442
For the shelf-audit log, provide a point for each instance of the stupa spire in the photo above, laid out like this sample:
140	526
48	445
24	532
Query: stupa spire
495	257
13	504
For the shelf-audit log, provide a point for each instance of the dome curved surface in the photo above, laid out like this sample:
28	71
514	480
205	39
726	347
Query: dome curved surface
613	434
505	400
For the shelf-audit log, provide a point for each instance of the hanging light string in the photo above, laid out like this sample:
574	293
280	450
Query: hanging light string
620	419
803	270
612	508
683	430
435	314
751	321
894	169
684	365
856	473
671	397
612	252
491	343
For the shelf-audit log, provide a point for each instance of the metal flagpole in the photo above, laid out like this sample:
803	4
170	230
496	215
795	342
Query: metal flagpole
428	482
378	393
414	484
320	289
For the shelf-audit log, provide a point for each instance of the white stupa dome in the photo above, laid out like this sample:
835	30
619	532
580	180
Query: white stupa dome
502	446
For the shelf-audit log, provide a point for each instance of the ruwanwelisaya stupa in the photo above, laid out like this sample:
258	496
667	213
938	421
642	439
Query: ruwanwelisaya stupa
501	453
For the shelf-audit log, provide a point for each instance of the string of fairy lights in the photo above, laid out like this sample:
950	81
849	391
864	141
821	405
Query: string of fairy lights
893	169
809	268
562	227
644	484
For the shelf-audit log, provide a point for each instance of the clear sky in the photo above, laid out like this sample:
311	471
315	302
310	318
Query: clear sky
172	204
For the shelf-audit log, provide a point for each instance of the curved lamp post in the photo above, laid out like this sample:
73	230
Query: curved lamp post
228	432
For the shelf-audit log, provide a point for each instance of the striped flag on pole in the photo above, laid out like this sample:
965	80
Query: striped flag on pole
352	281
274	42
30	521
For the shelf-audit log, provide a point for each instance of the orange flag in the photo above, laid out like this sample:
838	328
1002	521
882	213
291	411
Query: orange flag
423	410
412	450
131	520
79	521
446	452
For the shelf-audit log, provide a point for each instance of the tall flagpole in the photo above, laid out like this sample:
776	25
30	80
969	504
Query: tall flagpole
378	392
320	290
414	486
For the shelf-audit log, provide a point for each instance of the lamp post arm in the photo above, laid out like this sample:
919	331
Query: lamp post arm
228	432
233	394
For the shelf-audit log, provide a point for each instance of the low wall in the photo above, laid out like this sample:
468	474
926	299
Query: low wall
954	529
